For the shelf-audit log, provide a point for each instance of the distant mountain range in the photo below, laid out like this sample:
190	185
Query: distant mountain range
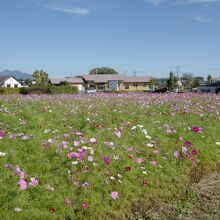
17	74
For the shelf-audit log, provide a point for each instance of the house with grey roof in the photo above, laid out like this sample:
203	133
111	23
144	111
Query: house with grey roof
106	82
73	81
117	82
136	83
9	82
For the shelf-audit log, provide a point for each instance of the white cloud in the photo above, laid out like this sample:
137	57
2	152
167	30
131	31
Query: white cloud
202	19
156	2
184	2
181	2
70	9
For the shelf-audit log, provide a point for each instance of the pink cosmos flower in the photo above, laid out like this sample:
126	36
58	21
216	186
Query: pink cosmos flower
193	162
34	182
110	144
180	138
139	160
68	202
130	156
106	160
90	158
114	195
92	140
154	163
85	205
117	133
22	184
76	143
187	155
19	172
85	169
176	153
85	185
156	151
71	155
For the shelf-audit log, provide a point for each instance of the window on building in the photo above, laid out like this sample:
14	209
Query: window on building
135	84
16	85
8	85
144	84
126	86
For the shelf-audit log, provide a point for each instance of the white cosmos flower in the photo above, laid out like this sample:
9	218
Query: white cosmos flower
2	154
112	178
148	136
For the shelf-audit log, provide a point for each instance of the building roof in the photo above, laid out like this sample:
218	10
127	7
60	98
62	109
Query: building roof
70	80
137	79
3	79
104	78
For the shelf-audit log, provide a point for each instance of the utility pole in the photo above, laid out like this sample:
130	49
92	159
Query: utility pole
135	73
177	75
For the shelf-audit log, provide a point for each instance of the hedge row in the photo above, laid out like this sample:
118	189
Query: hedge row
42	89
8	91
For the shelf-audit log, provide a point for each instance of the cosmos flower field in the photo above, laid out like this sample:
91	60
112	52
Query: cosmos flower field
104	156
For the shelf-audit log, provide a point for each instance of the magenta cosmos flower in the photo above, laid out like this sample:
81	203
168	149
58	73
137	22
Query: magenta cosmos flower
114	195
196	129
2	134
194	152
106	160
145	182
187	144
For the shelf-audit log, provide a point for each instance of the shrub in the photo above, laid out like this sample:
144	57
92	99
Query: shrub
62	89
8	91
38	89
50	89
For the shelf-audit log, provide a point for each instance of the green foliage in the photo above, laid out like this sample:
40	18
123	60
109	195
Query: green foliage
9	91
41	77
102	70
65	89
64	83
28	82
209	79
49	89
36	89
172	82
154	81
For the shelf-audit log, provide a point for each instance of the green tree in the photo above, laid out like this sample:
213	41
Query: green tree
41	77
154	81
209	79
187	80
198	81
102	70
28	82
172	82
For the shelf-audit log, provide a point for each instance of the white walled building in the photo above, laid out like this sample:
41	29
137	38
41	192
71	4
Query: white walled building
74	81
9	82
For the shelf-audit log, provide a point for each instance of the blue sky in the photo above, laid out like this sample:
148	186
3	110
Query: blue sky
67	37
